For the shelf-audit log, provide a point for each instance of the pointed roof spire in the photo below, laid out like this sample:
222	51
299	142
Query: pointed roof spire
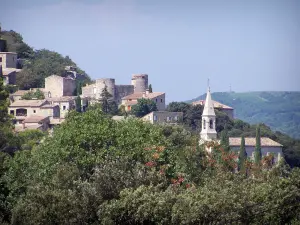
209	105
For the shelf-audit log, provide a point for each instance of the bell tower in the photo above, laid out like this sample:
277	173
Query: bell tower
208	132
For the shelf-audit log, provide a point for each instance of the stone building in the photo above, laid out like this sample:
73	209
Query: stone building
139	83
8	67
208	133
163	117
217	105
157	97
57	86
268	146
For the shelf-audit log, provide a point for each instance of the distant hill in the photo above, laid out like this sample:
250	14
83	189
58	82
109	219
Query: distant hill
279	110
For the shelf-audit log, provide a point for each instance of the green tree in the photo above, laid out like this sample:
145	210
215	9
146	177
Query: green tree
242	155
78	103
38	94
150	88
143	107
257	151
225	141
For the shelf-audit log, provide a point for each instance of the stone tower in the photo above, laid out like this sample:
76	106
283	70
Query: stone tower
208	132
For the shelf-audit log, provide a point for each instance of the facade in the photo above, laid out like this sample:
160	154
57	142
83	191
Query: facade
8	60
34	123
65	104
163	117
268	146
57	86
139	82
24	109
157	97
217	105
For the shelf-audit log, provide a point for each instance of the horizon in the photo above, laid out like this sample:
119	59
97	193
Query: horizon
178	44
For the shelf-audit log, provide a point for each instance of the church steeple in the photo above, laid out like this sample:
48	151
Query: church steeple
208	131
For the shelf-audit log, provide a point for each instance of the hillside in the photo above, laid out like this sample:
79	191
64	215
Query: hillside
36	64
279	110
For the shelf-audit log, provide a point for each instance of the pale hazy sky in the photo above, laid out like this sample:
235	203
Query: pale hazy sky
254	45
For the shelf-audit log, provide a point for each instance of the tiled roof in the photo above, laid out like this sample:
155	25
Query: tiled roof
28	103
34	119
62	99
8	53
216	104
138	95
251	141
49	106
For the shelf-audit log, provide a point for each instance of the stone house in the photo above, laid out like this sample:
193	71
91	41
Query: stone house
23	109
34	123
163	117
268	146
64	103
8	67
217	105
157	97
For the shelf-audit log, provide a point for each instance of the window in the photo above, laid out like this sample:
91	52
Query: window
49	94
161	100
64	107
154	117
0	59
12	112
211	124
156	99
204	124
34	111
168	118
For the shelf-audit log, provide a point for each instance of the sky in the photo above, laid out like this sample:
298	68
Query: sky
246	45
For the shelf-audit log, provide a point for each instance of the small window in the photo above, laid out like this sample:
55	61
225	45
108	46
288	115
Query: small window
168	118
211	124
0	59
34	111
49	94
204	124
64	107
155	118
12	112
161	100
156	99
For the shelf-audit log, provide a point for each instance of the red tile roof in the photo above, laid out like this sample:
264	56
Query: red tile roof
35	119
138	95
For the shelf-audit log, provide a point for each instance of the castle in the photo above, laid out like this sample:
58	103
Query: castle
139	84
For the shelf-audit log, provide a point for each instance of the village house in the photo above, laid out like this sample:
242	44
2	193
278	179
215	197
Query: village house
163	117
34	123
8	67
157	97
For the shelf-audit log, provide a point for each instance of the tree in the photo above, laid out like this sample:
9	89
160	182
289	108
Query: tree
38	94
150	88
225	141
257	151
78	104
143	107
242	155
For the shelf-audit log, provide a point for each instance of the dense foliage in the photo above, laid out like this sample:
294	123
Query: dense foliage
94	170
143	107
37	64
278	110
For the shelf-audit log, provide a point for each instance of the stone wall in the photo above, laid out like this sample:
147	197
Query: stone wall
8	60
69	86
122	91
54	84
140	82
